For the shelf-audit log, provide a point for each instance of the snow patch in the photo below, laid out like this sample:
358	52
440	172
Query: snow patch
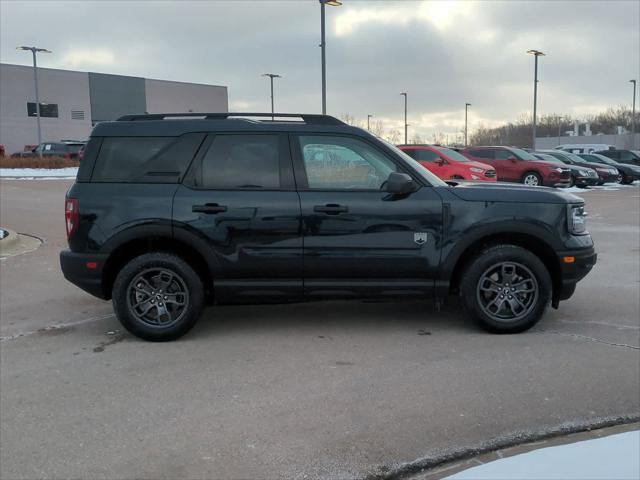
615	456
39	173
3	233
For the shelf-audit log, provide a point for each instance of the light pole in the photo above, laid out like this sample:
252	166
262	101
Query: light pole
404	94
369	122
33	51
536	54
466	109
331	3
271	77
633	112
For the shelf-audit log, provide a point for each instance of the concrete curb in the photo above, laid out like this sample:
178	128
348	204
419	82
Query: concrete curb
10	240
18	243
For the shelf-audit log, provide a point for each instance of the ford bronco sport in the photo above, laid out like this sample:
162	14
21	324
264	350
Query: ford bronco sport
169	214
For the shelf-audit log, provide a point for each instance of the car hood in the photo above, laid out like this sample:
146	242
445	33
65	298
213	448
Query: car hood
511	192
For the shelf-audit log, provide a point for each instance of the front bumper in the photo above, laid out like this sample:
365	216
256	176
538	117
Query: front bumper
571	272
84	271
608	178
586	181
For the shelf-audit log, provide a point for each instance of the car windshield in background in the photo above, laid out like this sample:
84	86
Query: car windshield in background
602	158
426	174
548	158
453	155
575	158
523	154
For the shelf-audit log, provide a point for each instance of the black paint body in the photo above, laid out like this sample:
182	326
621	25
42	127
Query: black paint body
277	244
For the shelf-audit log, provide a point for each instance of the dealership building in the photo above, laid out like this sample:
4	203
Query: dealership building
72	102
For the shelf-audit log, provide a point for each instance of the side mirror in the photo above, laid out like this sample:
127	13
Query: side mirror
441	161
400	183
512	158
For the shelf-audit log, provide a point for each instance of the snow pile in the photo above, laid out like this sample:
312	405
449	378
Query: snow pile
40	173
3	233
615	456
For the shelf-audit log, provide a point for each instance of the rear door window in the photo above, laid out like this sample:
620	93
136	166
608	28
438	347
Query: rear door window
482	153
237	161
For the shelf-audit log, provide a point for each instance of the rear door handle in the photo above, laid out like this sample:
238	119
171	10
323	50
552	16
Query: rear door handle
331	209
209	208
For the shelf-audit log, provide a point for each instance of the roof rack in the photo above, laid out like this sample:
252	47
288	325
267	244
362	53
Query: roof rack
311	119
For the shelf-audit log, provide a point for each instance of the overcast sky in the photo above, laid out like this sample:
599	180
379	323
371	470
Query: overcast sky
443	53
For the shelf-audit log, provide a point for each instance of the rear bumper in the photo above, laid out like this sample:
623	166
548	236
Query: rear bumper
572	272
78	268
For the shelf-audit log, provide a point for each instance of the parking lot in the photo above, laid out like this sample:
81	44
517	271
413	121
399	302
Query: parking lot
331	389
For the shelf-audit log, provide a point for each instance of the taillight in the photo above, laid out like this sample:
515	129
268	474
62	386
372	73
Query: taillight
71	217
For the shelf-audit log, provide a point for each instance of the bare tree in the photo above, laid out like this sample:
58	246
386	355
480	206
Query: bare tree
377	128
392	136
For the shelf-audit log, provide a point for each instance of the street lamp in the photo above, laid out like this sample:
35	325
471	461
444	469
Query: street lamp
536	54
331	3
466	108
404	94
33	51
271	77
368	122
633	112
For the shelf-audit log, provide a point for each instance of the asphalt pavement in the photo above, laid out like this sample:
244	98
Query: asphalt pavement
330	389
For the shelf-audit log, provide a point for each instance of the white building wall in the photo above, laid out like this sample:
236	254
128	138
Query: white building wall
68	89
178	97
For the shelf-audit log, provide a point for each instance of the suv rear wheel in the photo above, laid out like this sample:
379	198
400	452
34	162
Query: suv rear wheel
158	296
532	178
506	289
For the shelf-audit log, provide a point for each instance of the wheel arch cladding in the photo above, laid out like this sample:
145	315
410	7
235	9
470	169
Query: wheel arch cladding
127	251
532	243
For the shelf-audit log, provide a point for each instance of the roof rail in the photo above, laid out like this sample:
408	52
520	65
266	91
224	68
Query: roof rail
311	119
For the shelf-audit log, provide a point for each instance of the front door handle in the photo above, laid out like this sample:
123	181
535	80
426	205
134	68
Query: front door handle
209	208
331	209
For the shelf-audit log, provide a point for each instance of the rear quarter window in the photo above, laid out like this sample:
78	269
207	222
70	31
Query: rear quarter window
145	159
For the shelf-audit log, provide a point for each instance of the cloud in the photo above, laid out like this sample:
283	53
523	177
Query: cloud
85	58
442	53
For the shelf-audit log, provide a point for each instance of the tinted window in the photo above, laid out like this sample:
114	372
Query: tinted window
628	157
611	154
49	110
483	153
241	161
410	152
426	156
343	163
522	154
145	159
503	154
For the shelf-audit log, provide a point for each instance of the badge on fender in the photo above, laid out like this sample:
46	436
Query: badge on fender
420	238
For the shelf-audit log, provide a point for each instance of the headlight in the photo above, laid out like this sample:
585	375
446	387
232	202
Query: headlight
476	170
577	220
559	170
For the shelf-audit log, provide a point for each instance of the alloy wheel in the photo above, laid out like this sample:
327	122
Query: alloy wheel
157	297
507	291
531	180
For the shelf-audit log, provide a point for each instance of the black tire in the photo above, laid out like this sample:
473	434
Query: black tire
626	180
529	177
476	294
620	178
160	281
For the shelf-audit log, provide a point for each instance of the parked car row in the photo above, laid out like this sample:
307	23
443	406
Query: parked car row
62	148
552	168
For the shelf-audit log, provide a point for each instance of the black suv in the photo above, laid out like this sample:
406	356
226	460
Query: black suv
170	214
623	156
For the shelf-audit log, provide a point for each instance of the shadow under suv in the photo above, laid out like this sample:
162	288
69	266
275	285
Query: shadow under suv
168	215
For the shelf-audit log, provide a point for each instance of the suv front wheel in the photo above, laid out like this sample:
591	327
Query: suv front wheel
506	289
158	296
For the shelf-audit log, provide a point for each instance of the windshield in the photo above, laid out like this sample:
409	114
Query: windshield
575	158
524	155
602	158
424	173
548	158
453	155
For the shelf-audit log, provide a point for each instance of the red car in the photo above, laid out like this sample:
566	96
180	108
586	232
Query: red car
449	164
516	165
